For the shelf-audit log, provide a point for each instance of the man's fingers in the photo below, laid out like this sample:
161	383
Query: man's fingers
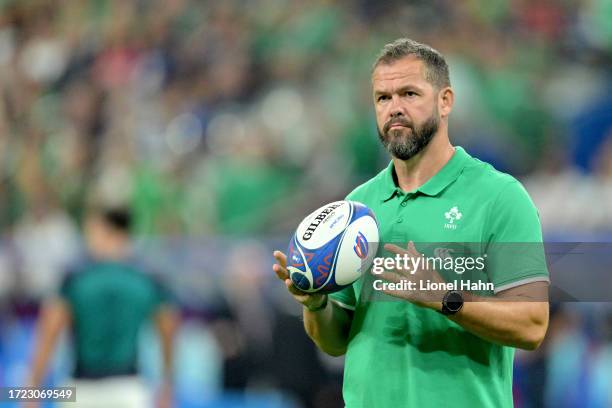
280	268
281	258
397	291
299	295
395	249
281	272
412	249
293	289
391	277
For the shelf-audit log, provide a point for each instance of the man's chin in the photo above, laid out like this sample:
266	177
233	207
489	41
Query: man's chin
403	155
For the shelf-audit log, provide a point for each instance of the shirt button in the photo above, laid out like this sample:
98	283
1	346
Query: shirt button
399	220
404	203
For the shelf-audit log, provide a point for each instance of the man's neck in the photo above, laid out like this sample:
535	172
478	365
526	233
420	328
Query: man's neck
416	171
115	251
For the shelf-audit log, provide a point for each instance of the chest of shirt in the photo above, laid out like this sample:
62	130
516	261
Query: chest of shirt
425	219
438	226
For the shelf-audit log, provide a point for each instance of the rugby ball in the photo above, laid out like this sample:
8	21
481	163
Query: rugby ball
332	247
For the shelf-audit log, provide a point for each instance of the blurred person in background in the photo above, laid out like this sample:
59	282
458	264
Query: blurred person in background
105	299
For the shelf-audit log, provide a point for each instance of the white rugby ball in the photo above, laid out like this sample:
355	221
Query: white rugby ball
332	247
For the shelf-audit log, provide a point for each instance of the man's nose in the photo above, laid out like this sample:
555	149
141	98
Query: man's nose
396	108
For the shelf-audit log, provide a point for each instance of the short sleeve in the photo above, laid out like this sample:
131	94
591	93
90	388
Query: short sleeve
514	246
64	288
163	294
345	298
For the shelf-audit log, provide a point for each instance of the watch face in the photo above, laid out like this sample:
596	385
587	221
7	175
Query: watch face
454	301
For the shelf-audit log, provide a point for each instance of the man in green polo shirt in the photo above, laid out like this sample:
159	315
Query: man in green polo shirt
428	348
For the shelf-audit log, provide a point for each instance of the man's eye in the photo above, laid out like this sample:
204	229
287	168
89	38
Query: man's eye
383	98
410	93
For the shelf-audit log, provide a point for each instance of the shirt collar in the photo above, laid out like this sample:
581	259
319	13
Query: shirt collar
432	187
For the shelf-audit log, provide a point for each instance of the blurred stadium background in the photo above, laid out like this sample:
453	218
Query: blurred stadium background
223	123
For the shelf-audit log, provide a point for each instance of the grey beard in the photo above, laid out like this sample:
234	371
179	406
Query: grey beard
414	144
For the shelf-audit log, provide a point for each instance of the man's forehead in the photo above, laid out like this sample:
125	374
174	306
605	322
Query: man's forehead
409	68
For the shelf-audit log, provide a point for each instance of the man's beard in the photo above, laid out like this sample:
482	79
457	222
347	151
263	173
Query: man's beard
406	142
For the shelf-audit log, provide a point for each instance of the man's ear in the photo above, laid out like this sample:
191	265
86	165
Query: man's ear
446	99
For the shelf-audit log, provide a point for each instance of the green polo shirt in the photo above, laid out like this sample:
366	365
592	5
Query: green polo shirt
109	302
402	355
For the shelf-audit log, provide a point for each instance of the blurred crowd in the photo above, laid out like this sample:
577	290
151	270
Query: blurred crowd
220	122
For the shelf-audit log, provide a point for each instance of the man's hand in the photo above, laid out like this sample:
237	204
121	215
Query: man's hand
327	324
425	298
310	300
517	317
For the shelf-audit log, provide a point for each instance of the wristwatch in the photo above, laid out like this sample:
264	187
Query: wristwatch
452	303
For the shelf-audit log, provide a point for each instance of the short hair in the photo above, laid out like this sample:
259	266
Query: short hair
436	68
119	218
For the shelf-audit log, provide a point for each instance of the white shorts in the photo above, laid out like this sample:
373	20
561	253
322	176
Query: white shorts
116	392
